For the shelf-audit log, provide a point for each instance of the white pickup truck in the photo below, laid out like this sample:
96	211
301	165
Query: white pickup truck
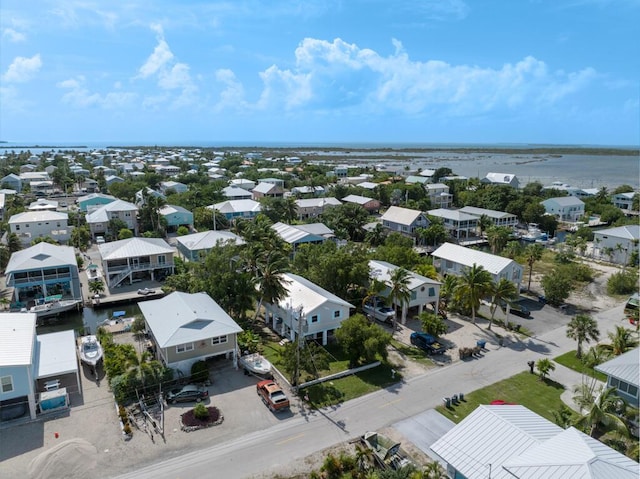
379	312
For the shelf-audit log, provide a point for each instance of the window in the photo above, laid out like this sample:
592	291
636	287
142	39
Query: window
314	318
219	340
183	348
17	227
6	384
432	291
162	259
336	314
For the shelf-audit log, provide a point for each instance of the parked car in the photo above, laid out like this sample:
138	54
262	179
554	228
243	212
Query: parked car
517	309
379	311
427	343
188	393
272	395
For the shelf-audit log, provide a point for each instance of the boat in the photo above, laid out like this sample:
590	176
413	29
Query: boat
385	450
117	323
53	306
534	233
256	364
90	350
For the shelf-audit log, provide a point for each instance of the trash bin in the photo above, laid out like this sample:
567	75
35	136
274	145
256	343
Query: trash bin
461	396
481	342
454	399
447	402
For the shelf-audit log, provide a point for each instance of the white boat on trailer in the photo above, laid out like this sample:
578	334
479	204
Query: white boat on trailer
256	364
53	306
90	350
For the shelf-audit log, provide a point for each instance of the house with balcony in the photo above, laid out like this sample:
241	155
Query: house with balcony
308	191
234	209
624	201
196	246
566	208
93	201
439	195
617	244
35	370
267	190
370	204
174	186
623	373
498	218
187	328
507	179
306	309
43	204
297	235
460	225
314	207
454	259
404	220
176	216
40	224
43	270
136	259
236	193
98	219
243	183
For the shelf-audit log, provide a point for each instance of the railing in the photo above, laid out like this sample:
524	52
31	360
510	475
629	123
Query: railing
11	279
124	271
118	279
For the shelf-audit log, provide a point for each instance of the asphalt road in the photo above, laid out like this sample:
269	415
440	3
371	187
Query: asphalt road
259	452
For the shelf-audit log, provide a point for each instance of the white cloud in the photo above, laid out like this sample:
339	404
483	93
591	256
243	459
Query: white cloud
22	69
159	58
13	36
79	96
232	95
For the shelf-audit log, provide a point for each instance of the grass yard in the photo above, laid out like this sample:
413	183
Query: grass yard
412	353
526	389
570	361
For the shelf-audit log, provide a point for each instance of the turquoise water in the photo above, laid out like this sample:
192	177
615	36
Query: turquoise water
86	322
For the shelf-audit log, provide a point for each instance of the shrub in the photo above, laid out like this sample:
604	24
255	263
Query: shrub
432	324
623	282
201	412
199	372
183	230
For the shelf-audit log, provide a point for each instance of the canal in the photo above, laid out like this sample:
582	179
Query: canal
87	320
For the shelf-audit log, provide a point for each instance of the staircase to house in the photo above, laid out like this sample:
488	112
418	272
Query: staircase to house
118	279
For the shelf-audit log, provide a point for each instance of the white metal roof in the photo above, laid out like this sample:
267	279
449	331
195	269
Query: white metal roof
181	318
171	209
403	216
293	234
100	215
208	239
468	257
630	232
41	255
455	215
133	247
17	338
504	178
472	210
42	215
564	201
625	367
318	202
265	188
319	229
56	354
236	206
302	293
235	191
382	271
360	200
91	196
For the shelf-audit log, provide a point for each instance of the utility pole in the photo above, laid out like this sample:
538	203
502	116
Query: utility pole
298	346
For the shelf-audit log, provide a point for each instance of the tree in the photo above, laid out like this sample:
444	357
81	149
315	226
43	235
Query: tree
484	223
473	285
362	340
270	268
125	233
377	235
13	243
544	367
583	328
532	254
81	238
432	324
312	358
621	341
557	286
498	236
96	286
447	291
399	291
602	411
504	291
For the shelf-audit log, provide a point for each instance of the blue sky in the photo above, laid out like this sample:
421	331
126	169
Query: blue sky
320	71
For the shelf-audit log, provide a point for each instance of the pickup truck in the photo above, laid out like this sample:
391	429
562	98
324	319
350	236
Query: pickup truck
272	396
427	343
379	312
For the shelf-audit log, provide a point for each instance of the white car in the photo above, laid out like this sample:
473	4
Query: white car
380	312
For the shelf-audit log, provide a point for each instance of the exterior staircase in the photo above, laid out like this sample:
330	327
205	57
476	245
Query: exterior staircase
118	279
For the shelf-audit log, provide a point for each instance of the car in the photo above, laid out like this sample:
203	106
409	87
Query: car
63	204
100	239
380	312
272	395
516	309
188	393
427	343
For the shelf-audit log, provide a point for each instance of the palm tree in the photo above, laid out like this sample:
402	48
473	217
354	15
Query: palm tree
532	253
622	340
400	291
375	288
602	411
473	285
434	470
583	328
13	243
504	291
447	290
96	287
484	223
377	235
270	269
544	367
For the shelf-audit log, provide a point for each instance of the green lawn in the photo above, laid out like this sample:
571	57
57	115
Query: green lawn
569	360
412	353
526	389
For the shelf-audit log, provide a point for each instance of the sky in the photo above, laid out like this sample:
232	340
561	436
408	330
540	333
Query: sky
320	71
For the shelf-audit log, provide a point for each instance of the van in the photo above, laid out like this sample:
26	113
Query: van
100	239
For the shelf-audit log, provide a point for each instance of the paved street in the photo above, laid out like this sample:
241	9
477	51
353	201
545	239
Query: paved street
305	434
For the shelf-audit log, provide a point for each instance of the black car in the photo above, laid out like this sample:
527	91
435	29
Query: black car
517	309
427	343
188	393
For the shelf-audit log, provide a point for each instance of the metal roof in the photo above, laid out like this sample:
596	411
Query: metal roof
133	247
302	293
236	206
318	202
319	229
403	216
382	271
181	318
360	200
56	354
625	367
171	209
100	215
17	338
631	232
91	196
41	215
41	255
564	201
208	239
455	215
468	257
472	210
293	234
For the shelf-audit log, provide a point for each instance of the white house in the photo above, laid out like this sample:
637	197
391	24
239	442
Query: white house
98	219
498	218
623	373
617	244
624	201
196	246
176	186
501	179
313	207
320	311
439	195
458	223
565	208
453	259
39	224
234	209
404	220
187	328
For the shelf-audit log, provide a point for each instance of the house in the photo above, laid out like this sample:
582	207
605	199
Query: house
167	170
306	309
243	183
509	441
93	201
136	259
624	201
404	220
187	328
176	216
236	193
30	176
617	244
234	209
34	369
416	179
175	186
370	204
623	373
314	207
269	190
297	235
98	219
12	181
141	195
43	204
507	179
40	224
459	225
41	188
196	246
274	181
439	195
43	270
453	259
308	191
498	218
423	290
89	185
565	208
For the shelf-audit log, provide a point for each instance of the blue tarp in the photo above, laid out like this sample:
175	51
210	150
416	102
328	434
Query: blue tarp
117	314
